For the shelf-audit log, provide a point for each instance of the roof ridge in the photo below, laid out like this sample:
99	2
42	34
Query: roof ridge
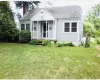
62	6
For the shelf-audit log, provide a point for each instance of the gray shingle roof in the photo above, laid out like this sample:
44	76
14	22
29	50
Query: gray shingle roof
58	12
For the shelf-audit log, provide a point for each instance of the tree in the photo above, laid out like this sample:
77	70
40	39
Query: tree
94	16
89	29
26	4
8	31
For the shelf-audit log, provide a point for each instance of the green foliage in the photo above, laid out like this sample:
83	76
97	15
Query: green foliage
69	44
98	40
49	43
24	36
40	42
64	44
20	4
34	42
93	17
46	43
89	29
98	33
58	45
8	31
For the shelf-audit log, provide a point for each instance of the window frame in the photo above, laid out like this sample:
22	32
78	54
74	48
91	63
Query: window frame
70	23
26	26
64	27
21	26
76	26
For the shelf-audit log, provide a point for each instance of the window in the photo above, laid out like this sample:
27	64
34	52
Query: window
30	7
67	27
74	27
22	26
28	27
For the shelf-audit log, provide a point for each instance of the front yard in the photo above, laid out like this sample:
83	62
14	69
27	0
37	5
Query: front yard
28	61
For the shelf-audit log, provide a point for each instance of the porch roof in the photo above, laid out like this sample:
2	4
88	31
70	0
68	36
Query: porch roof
58	12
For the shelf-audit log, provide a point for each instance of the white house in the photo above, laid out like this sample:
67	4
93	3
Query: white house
54	23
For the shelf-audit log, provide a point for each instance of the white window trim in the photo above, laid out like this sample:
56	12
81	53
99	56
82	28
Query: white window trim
25	26
76	27
70	23
21	26
29	24
64	27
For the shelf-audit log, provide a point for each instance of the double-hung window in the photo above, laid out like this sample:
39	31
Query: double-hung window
70	27
74	27
67	27
28	27
22	26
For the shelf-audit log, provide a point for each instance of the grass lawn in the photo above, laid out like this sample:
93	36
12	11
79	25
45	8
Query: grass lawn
28	61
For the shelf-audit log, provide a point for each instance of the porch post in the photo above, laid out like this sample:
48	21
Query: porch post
37	29
31	30
55	30
46	29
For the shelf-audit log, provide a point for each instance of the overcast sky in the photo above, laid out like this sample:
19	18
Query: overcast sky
85	4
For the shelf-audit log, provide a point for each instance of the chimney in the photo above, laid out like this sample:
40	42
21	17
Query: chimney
25	7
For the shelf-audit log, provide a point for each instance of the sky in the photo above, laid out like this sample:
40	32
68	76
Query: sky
84	4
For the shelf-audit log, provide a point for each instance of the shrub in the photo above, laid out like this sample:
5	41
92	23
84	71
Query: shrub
69	44
46	42
98	40
24	36
11	35
58	45
64	44
34	42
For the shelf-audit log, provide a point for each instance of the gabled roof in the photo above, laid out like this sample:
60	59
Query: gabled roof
58	12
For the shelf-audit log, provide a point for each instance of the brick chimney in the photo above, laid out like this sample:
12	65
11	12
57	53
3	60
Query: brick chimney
25	7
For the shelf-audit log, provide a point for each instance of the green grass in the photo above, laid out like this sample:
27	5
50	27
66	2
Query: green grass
28	61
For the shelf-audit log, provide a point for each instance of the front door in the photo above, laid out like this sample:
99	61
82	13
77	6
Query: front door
44	30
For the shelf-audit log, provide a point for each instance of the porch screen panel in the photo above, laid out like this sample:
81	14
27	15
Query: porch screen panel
35	29
50	30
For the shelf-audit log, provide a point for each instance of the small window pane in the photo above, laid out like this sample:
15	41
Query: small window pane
67	27
27	26
35	26
22	26
74	27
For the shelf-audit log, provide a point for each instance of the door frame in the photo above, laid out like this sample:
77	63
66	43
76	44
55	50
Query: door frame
46	30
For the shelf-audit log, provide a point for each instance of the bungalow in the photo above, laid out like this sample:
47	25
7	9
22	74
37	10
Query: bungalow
54	23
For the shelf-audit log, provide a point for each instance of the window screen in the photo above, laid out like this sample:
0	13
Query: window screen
28	27
67	27
74	27
22	26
